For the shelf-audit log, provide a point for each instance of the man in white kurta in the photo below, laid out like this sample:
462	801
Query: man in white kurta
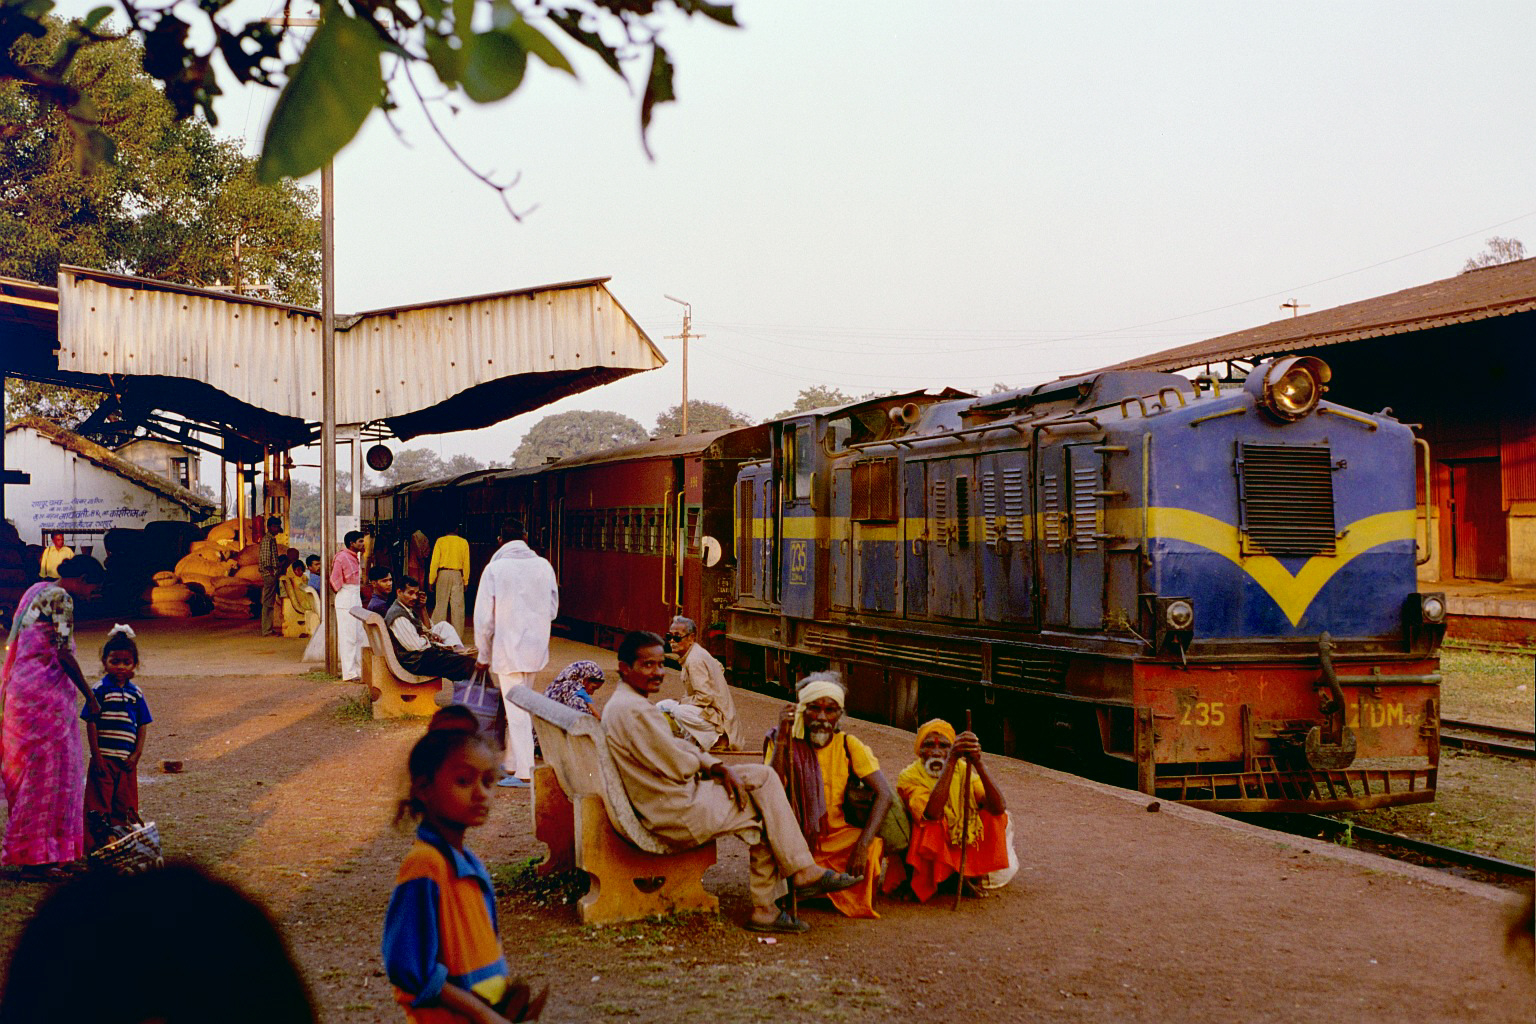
516	602
686	797
708	711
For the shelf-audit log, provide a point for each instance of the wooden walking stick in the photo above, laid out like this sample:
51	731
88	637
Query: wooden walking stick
965	819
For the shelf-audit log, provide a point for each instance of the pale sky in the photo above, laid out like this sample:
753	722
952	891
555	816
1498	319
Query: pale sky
898	195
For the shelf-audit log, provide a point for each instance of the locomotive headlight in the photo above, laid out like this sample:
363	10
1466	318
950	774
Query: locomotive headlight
1179	615
1290	388
1433	607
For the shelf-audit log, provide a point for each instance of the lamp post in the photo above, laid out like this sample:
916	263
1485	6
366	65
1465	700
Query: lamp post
687	333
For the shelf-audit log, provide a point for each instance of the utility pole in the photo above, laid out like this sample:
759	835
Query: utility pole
687	333
1295	307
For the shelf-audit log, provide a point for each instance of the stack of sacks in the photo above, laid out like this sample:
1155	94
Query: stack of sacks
234	598
169	599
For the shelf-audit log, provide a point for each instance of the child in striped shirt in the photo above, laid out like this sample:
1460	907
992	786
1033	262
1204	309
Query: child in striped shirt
116	735
441	948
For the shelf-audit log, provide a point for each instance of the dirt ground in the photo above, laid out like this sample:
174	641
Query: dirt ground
1117	914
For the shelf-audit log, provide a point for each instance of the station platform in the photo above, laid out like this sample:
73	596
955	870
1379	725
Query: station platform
1121	911
1487	612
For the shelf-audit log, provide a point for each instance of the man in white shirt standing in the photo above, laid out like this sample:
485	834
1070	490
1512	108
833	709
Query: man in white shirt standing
516	602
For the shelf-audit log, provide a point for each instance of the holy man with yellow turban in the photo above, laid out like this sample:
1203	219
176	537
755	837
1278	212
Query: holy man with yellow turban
933	789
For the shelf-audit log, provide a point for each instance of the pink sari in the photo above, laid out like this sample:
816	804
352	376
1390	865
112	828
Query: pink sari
41	756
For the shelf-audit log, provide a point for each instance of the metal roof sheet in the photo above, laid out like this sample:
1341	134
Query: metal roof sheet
1502	290
453	364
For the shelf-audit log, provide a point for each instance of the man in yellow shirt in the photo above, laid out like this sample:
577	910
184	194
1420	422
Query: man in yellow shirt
54	555
448	573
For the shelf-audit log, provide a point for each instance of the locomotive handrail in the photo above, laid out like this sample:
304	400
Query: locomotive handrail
1140	400
1176	394
1429	525
1331	411
677	561
1236	410
1212	380
666	536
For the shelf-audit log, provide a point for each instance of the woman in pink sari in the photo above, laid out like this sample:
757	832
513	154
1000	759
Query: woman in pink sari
41	756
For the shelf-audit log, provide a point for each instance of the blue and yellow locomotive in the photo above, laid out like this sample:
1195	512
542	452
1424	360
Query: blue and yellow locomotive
1203	589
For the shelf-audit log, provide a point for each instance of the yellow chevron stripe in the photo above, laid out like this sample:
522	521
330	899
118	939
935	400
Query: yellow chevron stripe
1293	594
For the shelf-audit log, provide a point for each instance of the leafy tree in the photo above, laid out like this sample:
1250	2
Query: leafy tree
338	79
816	396
304	506
175	203
65	406
576	433
702	418
1500	250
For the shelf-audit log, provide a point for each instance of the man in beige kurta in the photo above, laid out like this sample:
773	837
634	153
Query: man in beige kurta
687	797
709	697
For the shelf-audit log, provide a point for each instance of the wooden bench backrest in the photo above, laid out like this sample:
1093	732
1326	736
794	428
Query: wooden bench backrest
380	643
575	746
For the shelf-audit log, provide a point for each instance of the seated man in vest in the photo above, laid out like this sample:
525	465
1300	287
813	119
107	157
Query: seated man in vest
817	766
934	791
424	650
687	797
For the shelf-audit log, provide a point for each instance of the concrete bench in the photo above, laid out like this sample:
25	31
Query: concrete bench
583	814
395	693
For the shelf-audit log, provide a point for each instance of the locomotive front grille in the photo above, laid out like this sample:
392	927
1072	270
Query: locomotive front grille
1286	499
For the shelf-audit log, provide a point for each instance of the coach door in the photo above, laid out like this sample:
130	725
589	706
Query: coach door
953	562
840	546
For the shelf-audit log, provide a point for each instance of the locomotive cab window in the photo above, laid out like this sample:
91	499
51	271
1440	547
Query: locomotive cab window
800	456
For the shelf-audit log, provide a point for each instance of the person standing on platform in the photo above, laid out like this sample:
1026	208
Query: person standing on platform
266	561
418	554
448	573
54	555
347	582
517	600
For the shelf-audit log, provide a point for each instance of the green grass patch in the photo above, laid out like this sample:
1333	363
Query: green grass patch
354	709
1492	688
319	676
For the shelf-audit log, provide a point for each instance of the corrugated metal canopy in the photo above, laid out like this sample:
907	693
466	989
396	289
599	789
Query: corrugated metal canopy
456	364
1502	290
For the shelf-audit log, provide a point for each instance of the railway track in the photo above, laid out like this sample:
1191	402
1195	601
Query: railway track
1416	851
1488	739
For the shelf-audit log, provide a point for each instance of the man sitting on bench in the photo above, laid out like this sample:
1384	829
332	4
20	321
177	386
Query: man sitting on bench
432	652
687	797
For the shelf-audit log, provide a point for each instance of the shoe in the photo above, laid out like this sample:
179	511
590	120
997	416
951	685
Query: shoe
513	782
829	882
782	925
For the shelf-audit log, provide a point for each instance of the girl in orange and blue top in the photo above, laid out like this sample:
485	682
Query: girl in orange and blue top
441	948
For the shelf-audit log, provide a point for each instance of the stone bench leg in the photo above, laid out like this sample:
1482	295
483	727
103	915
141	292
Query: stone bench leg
393	698
629	884
554	822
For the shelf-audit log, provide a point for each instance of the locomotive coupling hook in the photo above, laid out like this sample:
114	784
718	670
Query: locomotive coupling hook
1335	749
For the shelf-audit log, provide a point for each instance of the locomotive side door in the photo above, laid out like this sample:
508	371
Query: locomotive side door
952	558
1007	571
1088	551
1071	508
915	539
840	550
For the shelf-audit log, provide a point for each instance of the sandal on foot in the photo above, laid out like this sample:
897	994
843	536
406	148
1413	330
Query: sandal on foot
783	925
829	882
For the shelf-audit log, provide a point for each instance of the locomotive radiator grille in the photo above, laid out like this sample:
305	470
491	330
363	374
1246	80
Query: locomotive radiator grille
1085	508
1286	499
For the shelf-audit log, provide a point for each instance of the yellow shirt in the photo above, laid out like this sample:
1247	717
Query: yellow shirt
52	558
450	552
835	760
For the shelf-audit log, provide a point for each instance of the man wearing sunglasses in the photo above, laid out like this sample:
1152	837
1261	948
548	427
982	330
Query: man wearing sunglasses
707	713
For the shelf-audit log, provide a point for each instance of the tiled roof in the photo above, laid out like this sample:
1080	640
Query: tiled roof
1477	295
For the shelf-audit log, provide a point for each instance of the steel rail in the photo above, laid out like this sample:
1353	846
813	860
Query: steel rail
1496	745
1448	854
